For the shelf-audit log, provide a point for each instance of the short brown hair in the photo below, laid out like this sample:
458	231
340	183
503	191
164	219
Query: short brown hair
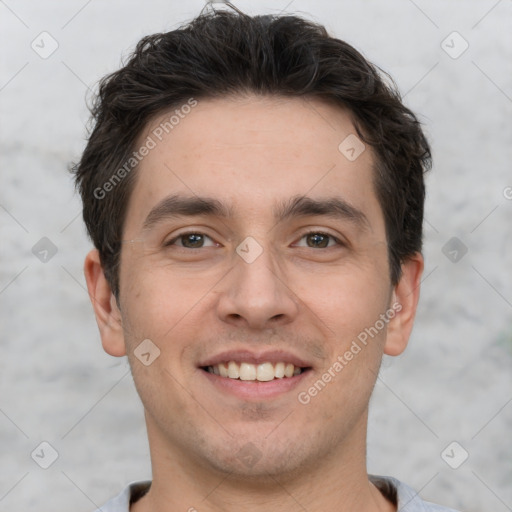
223	53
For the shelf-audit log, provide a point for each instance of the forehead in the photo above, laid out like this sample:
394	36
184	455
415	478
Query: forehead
253	153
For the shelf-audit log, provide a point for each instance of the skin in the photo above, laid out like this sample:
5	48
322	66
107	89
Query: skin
251	153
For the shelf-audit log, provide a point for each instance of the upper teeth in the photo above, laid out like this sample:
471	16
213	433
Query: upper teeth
262	372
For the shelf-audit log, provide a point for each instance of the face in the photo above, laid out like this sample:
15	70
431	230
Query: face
255	261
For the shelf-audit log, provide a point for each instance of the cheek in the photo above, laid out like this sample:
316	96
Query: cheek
350	314
346	299
159	301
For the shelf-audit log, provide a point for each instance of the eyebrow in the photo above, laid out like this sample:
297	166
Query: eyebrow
180	206
298	206
334	207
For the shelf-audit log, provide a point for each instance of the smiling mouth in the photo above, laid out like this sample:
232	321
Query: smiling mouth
263	372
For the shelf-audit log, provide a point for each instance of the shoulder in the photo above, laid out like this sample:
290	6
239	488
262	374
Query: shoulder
406	498
121	503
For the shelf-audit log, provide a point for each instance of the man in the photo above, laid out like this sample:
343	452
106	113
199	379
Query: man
254	191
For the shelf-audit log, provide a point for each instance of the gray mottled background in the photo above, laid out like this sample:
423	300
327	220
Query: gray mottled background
454	382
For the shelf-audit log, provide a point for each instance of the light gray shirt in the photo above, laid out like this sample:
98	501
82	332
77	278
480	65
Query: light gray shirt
405	498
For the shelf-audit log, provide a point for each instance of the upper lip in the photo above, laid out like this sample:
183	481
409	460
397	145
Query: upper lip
255	357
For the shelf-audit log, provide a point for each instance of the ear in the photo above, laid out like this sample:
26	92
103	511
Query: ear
404	301
108	316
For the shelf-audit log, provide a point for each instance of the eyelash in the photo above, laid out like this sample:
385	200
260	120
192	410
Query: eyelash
171	242
177	237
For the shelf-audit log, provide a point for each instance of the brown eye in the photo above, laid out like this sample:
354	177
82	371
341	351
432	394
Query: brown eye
192	241
318	240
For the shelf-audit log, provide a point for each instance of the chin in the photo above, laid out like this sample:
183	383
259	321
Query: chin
257	458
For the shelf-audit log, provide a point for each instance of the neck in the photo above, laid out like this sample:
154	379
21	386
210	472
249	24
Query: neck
337	482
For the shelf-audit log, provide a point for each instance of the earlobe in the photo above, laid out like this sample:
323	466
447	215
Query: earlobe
107	313
404	301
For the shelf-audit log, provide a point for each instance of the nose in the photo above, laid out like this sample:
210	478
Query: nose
257	295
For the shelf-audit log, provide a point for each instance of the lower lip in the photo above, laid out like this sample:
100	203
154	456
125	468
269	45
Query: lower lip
248	390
